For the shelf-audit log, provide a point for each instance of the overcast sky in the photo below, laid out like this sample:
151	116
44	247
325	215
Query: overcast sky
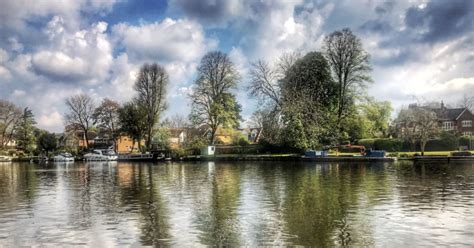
50	50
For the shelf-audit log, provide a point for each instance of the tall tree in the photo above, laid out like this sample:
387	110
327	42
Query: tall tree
350	67
377	113
24	133
265	83
212	102
80	113
309	102
106	117
46	142
132	119
151	88
9	118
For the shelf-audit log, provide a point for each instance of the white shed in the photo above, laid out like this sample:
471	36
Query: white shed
208	150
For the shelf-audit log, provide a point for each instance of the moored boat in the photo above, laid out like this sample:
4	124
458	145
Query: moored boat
4	158
63	157
101	155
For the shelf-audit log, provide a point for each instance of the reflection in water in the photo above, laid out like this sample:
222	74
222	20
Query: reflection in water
236	204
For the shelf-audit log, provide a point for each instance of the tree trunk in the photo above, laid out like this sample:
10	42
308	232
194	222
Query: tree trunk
213	135
422	146
86	136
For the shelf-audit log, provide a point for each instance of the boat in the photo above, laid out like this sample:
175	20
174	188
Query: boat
101	155
4	158
137	157
64	157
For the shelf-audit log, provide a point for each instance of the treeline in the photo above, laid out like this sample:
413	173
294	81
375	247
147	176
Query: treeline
305	101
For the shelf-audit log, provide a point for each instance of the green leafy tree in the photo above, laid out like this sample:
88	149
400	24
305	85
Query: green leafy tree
377	113
132	119
46	142
162	138
350	68
212	102
106	117
309	97
151	87
24	132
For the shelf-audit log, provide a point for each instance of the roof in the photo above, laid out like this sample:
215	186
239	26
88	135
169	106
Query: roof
175	132
448	113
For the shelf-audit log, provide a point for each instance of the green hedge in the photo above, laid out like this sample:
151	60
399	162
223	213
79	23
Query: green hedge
390	145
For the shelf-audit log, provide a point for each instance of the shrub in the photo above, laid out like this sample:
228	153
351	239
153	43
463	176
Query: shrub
391	145
368	143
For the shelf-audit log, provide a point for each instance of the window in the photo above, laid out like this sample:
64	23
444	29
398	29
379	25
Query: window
467	133
467	123
448	125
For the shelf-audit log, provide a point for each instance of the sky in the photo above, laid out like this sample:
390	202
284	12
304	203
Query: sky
53	49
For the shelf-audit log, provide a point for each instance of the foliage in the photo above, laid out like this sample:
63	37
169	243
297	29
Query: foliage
212	103
80	113
132	119
377	116
309	103
24	133
161	138
268	120
46	142
150	86
106	117
350	67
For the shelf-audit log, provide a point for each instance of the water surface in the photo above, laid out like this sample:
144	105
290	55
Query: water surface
236	204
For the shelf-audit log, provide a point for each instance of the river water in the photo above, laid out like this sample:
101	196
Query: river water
236	204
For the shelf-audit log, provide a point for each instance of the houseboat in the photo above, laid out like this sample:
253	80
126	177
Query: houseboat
101	155
63	157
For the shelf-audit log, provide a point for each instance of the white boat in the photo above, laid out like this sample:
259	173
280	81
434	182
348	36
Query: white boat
4	158
64	157
101	155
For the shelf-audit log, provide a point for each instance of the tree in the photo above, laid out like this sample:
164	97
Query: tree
377	113
132	119
106	117
24	133
9	117
309	97
80	113
176	121
264	83
267	119
46	142
151	88
212	102
350	67
418	125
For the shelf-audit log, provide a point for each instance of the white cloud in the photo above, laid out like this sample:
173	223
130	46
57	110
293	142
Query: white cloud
165	41
72	56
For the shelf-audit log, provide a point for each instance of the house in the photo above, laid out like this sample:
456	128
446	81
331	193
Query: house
177	137
253	133
458	120
125	144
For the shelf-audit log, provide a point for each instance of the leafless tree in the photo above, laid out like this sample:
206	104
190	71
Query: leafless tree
212	102
176	121
264	83
151	87
9	118
467	101
350	66
418	125
80	113
286	61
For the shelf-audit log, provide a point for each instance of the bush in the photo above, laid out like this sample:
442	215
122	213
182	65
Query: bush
368	143
390	145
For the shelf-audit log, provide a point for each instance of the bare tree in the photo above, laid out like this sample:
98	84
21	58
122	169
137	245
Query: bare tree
106	117
80	113
418	124
350	66
176	121
286	61
212	102
151	86
9	118
467	101
264	83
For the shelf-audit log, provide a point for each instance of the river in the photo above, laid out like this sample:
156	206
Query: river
236	204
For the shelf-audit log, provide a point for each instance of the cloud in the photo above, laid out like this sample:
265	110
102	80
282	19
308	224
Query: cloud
166	41
210	12
441	20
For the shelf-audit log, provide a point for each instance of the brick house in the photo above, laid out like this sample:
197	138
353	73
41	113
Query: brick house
459	120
